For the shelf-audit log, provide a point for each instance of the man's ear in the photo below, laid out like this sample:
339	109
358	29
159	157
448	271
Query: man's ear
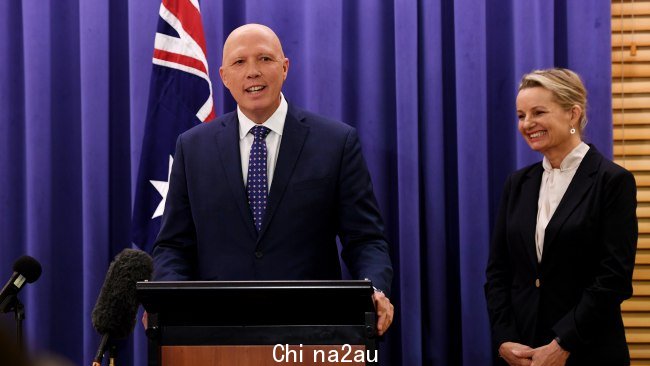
224	78
285	68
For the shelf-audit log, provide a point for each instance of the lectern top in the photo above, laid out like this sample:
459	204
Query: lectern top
251	285
258	302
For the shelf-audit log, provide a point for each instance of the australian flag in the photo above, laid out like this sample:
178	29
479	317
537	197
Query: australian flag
180	97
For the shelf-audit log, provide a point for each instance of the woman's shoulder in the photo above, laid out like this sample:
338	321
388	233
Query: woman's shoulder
608	168
525	172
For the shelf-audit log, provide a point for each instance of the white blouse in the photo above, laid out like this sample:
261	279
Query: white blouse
554	184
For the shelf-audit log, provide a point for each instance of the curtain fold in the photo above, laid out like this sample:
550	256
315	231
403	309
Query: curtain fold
473	193
430	86
37	181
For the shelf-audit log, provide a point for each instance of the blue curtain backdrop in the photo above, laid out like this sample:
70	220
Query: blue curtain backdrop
430	85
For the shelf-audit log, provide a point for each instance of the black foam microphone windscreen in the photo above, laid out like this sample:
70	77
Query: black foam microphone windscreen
115	311
26	269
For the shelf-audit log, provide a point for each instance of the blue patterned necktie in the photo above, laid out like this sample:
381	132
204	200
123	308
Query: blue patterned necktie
257	187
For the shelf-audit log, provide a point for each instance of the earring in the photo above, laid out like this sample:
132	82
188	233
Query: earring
572	130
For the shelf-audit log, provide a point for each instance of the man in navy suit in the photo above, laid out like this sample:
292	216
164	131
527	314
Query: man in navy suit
262	193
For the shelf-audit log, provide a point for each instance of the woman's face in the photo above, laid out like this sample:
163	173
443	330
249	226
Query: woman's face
544	124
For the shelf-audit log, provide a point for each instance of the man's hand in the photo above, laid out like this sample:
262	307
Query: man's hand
145	320
385	311
549	355
515	354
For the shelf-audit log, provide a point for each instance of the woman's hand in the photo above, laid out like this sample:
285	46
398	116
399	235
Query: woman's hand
549	355
511	353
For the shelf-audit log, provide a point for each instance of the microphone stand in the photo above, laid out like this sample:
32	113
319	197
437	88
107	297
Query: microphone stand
100	352
19	310
112	354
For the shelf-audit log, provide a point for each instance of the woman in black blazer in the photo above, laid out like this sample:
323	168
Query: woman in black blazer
562	252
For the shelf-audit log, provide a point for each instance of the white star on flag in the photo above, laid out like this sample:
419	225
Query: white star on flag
162	188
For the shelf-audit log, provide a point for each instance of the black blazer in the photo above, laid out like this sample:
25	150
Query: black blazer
321	189
586	268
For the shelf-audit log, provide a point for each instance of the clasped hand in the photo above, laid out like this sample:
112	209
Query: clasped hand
516	354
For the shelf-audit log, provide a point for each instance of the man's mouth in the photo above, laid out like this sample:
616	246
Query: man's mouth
537	134
255	88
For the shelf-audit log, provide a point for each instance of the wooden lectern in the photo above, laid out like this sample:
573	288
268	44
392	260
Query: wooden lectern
260	323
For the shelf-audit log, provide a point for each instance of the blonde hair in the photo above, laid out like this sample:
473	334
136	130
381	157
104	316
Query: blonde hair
566	86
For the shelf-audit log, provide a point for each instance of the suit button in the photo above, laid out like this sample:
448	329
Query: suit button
259	254
537	282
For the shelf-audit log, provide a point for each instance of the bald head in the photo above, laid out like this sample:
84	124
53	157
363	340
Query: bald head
253	69
259	31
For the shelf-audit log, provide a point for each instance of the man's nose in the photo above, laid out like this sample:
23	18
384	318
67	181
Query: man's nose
253	71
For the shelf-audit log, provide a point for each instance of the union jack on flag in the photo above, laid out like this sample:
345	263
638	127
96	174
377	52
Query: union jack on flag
180	97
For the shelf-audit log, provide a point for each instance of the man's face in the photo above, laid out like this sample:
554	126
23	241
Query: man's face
254	69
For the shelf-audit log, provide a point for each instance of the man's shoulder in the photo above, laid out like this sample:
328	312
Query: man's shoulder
203	129
317	121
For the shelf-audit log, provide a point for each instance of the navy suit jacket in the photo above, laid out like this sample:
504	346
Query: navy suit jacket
321	188
585	273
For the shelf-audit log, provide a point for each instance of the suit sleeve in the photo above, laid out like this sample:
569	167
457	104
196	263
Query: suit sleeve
613	280
499	279
174	251
360	226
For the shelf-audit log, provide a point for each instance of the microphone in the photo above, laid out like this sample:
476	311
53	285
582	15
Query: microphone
26	269
115	311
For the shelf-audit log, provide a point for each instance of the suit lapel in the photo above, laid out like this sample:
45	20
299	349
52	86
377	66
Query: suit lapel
293	139
579	186
530	194
228	143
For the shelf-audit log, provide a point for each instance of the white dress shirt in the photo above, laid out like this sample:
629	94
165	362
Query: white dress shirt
275	123
554	184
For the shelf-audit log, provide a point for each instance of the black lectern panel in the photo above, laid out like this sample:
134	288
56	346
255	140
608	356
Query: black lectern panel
258	313
258	303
